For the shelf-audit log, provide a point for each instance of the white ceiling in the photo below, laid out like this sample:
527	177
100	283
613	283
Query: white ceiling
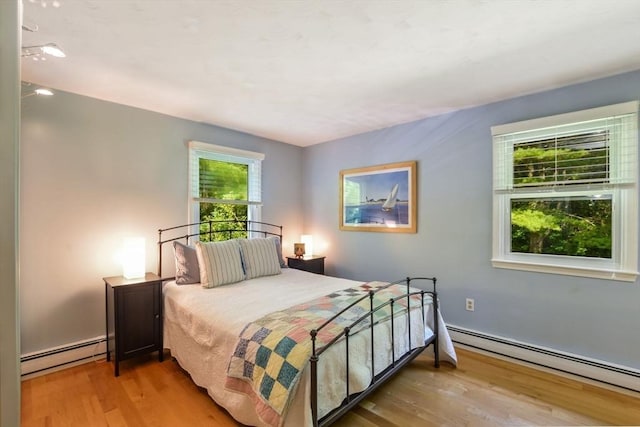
305	72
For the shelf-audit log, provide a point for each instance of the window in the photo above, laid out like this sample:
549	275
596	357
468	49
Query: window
565	193
224	184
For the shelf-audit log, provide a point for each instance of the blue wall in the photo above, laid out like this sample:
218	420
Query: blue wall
93	172
588	317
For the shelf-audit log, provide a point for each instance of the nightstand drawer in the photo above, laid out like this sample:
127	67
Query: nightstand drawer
314	264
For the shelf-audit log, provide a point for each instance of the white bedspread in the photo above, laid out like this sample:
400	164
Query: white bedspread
201	327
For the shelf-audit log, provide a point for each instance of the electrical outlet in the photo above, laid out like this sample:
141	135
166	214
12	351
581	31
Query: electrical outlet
470	304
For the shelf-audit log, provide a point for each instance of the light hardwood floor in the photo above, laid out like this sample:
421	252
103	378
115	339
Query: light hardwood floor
481	391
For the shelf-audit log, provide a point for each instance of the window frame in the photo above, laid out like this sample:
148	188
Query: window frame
623	263
198	150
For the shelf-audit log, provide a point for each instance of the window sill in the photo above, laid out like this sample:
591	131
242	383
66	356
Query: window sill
607	274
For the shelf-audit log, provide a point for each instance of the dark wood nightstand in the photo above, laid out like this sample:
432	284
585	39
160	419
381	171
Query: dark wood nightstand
134	317
312	264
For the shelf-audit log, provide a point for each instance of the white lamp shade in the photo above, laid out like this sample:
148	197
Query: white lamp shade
133	258
307	239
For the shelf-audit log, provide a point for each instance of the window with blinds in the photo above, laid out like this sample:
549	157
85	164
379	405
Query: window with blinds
565	193
222	181
225	184
562	160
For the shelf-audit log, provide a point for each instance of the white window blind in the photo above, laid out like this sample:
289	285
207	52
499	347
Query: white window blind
200	187
594	152
205	187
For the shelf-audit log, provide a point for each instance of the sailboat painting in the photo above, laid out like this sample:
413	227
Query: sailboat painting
391	201
379	198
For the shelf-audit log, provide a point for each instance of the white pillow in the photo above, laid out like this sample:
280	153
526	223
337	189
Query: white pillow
260	257
219	262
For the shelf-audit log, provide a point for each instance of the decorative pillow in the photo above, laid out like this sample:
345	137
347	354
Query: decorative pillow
187	269
260	257
278	250
220	263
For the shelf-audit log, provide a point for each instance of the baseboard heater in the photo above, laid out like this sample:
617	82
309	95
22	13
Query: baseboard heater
567	363
41	362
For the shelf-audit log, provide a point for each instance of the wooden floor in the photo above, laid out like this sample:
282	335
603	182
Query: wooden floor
482	391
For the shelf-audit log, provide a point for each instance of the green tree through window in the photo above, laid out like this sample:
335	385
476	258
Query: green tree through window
225	188
562	226
223	181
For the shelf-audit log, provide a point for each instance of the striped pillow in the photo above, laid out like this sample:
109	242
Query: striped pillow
220	263
260	257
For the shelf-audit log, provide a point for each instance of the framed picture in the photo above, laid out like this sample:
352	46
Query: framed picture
379	198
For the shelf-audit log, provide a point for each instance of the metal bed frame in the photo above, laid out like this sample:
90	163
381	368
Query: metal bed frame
263	229
252	228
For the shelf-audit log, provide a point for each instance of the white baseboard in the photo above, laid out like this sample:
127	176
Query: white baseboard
53	359
61	357
541	357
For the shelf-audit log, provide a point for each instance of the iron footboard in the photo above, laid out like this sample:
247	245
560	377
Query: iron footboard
352	399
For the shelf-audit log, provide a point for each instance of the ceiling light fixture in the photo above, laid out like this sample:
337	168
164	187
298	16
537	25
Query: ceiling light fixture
37	50
43	91
45	3
31	28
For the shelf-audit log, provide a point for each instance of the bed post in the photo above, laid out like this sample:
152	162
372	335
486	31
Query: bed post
409	313
371	325
313	360
436	326
159	253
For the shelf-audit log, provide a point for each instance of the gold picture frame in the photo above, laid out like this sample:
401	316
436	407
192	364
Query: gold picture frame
379	198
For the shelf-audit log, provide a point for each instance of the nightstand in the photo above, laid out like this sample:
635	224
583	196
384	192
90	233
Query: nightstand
312	264
134	317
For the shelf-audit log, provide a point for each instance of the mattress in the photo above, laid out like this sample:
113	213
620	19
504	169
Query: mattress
201	327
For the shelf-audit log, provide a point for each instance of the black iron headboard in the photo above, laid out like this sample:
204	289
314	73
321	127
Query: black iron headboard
229	229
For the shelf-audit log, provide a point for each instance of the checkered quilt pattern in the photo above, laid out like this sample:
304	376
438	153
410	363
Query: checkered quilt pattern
271	352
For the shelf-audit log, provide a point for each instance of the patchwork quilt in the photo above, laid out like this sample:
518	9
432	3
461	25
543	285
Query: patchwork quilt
272	352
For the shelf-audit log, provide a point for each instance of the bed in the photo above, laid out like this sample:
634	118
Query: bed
372	331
